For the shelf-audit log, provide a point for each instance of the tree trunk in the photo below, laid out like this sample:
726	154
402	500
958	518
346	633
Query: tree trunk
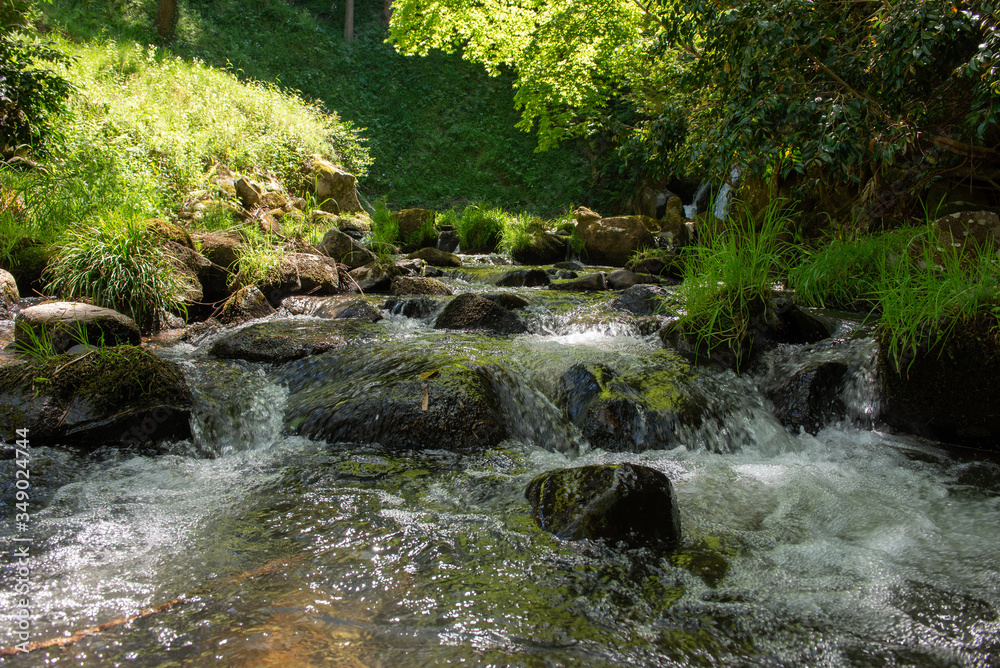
387	10
349	21
165	17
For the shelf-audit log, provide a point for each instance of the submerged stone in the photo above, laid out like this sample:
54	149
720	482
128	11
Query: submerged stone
640	300
110	396
624	503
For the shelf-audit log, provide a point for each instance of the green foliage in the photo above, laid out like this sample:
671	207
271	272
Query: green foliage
385	228
38	345
928	293
441	132
848	274
32	89
480	228
117	264
258	256
728	277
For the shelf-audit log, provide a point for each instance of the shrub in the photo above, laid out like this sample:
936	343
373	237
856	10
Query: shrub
117	264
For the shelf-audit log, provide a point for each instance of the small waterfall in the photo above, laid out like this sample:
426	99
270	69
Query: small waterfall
236	408
721	209
691	210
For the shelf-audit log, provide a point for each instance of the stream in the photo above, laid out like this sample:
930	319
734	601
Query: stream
848	547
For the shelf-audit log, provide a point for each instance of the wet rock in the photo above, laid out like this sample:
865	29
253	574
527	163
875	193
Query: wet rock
624	503
945	391
63	323
248	303
344	249
286	340
417	285
354	309
810	399
665	265
413	266
447	241
564	274
640	300
544	248
592	283
507	300
370	279
472	312
438	258
398	401
334	188
630	412
9	295
621	279
570	266
414	307
612	241
170	232
112	396
523	278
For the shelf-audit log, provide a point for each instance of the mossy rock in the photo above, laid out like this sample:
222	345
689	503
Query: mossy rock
402	400
626	503
416	228
170	232
286	340
248	303
27	262
117	395
9	295
543	248
65	324
418	285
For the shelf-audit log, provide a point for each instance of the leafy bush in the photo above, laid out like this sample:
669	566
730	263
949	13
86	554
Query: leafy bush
117	264
728	278
32	91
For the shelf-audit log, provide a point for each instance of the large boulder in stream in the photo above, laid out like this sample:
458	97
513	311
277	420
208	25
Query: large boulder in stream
107	396
612	241
543	248
399	400
625	503
248	303
945	391
334	188
418	285
286	340
345	249
300	273
472	312
436	257
67	324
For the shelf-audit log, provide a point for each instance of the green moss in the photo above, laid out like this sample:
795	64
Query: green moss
113	378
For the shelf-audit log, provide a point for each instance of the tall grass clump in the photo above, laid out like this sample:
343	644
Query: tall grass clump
728	278
935	292
117	264
518	231
257	257
480	228
848	274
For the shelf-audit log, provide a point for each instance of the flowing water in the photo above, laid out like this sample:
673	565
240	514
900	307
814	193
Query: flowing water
850	547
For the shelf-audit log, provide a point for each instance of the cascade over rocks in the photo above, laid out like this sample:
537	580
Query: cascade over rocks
945	392
612	241
334	188
345	249
413	307
472	312
282	341
112	396
624	503
810	398
60	322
